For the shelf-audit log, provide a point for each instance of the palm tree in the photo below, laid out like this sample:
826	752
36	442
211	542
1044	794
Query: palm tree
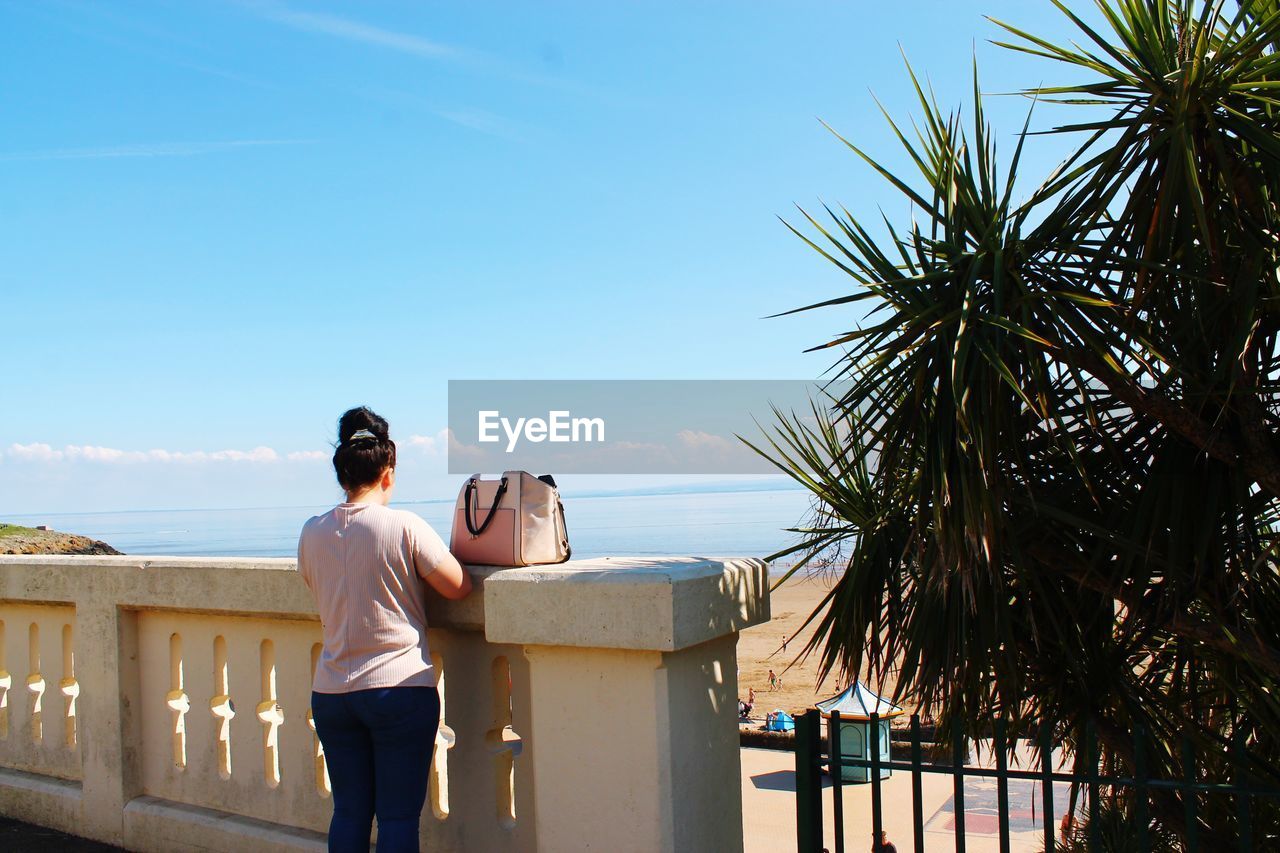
1051	474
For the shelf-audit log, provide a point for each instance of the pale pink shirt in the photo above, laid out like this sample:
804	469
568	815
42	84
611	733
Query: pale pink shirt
365	564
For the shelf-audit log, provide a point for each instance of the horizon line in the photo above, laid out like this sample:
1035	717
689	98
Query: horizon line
647	491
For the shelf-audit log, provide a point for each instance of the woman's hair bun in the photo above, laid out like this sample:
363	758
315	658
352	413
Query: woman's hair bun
362	417
361	462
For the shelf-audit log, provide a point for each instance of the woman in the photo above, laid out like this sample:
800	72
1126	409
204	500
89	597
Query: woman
374	698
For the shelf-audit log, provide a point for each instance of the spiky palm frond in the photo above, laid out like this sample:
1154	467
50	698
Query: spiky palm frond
1054	477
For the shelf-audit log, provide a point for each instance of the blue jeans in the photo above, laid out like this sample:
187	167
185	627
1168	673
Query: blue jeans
378	746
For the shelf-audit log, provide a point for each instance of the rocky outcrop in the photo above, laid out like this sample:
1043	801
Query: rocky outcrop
28	540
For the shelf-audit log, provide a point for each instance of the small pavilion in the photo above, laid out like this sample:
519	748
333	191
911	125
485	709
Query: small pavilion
856	704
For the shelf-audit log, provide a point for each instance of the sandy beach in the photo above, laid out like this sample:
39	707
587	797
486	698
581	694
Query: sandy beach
760	649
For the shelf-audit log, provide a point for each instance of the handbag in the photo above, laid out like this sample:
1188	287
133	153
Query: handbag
515	521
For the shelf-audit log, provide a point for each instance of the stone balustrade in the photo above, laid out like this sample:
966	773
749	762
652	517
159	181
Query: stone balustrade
163	704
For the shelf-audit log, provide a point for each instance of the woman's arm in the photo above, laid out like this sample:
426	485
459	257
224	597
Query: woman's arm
440	569
434	564
450	579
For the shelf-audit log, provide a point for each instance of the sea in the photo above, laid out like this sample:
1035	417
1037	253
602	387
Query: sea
703	524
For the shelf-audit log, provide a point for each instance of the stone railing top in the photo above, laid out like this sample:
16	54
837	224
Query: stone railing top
662	603
657	603
260	585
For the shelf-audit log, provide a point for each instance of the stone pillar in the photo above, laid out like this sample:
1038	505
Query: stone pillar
110	739
633	697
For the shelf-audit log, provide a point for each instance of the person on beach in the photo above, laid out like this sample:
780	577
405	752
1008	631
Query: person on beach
773	681
885	845
374	699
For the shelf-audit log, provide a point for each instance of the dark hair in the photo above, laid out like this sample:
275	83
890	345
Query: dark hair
361	461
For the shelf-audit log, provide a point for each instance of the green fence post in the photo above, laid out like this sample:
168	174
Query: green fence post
917	798
808	783
835	766
1002	784
958	757
1141	788
1046	786
1244	805
877	800
1091	757
1189	796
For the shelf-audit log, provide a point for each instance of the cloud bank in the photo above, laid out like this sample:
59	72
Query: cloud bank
42	452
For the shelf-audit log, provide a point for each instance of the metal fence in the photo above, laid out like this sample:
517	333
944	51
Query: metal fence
813	751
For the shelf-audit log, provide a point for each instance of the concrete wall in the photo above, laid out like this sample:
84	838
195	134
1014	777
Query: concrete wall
163	704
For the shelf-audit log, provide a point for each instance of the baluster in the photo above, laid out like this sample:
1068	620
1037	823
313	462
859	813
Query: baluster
178	701
221	706
504	743
35	683
68	686
6	682
270	714
322	767
445	740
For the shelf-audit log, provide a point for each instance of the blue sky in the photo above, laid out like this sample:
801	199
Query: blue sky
227	222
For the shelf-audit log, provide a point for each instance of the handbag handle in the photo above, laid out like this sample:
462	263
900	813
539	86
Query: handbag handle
469	507
564	530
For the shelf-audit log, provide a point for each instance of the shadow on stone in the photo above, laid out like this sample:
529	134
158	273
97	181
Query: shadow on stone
15	835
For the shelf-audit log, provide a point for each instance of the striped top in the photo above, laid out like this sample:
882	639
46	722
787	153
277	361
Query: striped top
365	564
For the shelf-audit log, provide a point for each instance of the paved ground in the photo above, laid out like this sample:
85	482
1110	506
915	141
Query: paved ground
769	809
23	837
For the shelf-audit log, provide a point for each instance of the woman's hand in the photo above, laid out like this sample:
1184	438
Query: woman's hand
450	579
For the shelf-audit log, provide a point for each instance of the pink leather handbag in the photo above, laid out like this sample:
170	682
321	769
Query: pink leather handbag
515	521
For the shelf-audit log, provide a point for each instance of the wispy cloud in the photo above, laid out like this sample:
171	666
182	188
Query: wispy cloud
161	44
346	28
431	444
472	118
148	149
481	120
216	71
41	452
352	30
